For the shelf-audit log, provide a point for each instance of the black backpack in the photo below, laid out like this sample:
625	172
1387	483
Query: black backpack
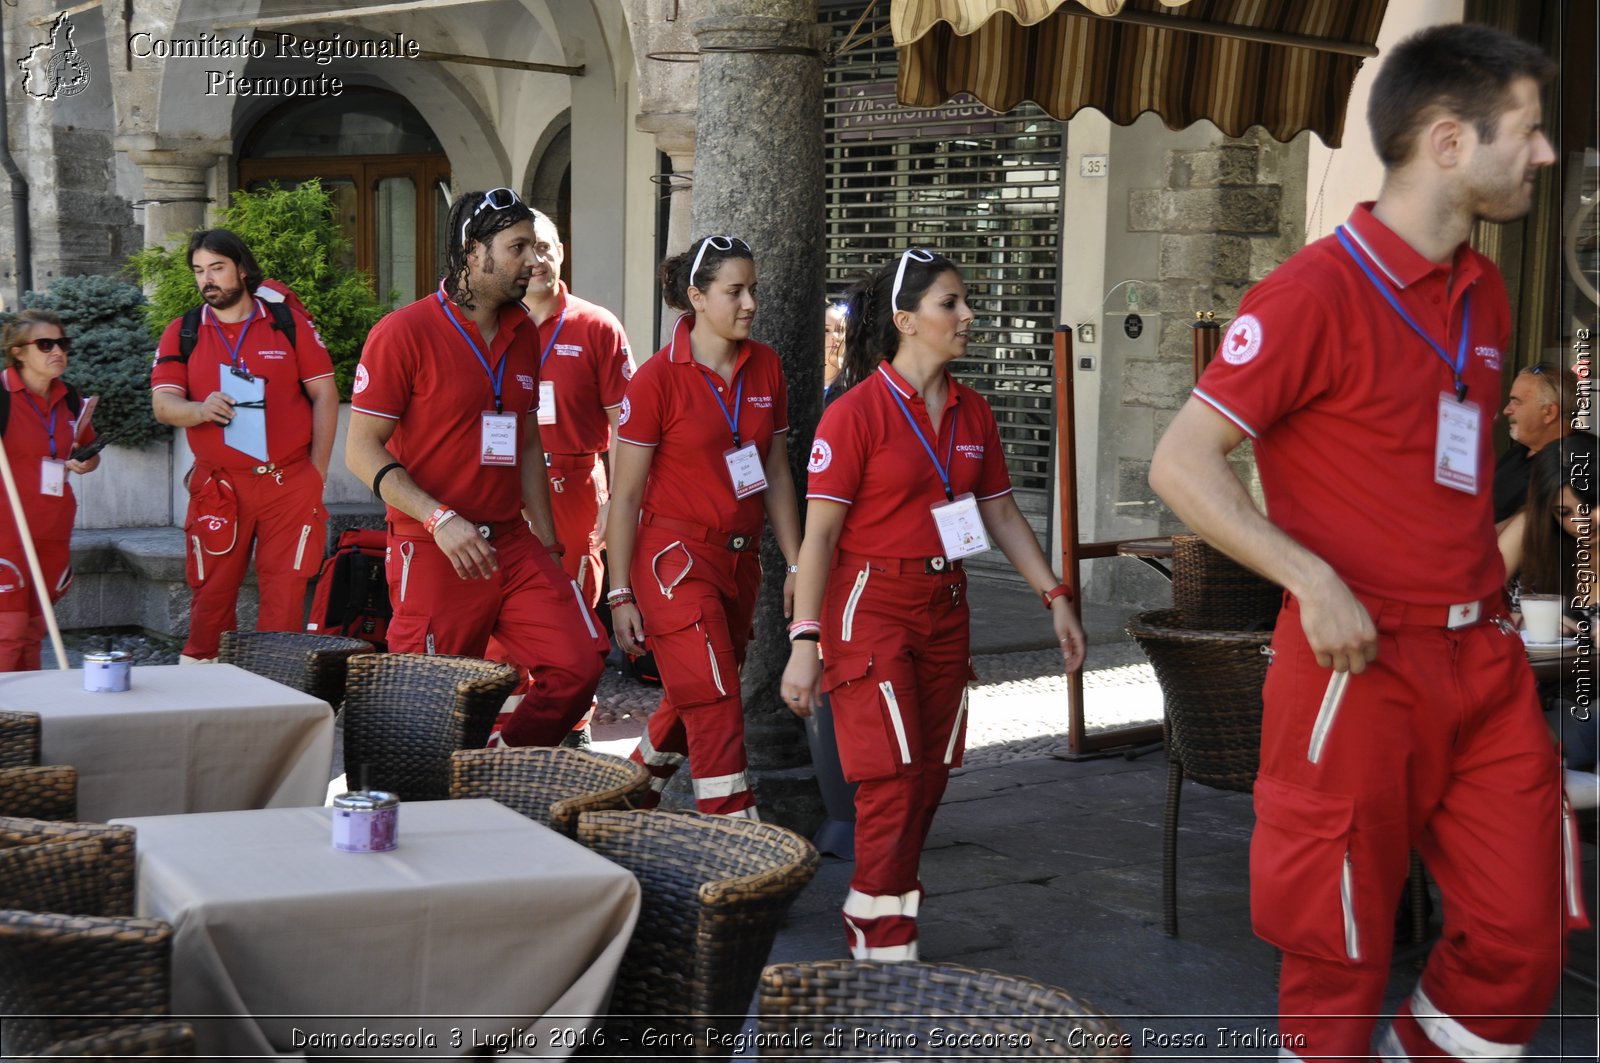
189	331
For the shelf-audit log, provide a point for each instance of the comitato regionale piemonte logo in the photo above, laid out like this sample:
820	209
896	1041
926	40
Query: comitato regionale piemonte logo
55	68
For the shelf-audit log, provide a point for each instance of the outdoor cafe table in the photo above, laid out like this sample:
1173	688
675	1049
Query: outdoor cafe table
299	948
199	738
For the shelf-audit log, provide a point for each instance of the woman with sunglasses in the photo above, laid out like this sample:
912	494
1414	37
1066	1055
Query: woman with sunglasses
907	476
703	459
40	422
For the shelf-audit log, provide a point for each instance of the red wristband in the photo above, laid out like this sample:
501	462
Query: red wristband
1060	590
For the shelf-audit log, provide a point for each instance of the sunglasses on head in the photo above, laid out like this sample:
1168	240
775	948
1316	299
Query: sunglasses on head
911	253
494	199
50	343
719	243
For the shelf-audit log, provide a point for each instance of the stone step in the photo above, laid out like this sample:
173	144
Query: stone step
133	577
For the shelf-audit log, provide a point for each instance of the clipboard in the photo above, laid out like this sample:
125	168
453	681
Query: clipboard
247	432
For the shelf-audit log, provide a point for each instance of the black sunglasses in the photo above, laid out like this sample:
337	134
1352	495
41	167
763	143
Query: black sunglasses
50	343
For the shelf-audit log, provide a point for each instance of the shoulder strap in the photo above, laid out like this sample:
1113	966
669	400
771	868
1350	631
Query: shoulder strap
282	319
189	331
74	400
188	336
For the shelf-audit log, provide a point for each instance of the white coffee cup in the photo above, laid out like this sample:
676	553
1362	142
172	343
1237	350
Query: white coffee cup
1541	618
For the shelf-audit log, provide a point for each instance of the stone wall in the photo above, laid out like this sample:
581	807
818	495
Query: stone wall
1224	216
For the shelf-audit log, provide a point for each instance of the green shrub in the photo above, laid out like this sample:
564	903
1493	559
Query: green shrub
295	236
111	352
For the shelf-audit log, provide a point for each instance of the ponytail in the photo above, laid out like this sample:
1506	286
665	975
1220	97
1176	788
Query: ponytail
870	334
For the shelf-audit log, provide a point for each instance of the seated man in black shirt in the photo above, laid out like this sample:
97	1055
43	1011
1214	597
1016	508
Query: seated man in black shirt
1539	412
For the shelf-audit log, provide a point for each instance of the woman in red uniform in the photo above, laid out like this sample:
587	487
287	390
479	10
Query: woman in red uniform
702	461
39	426
907	476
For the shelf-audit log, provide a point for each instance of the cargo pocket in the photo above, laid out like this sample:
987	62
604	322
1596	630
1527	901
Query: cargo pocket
695	669
868	718
1303	877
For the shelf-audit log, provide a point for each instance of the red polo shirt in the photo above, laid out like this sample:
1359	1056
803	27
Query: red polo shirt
419	371
31	425
867	455
584	353
1342	399
265	352
682	409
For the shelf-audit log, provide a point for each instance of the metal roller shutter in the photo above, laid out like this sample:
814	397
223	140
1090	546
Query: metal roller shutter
983	189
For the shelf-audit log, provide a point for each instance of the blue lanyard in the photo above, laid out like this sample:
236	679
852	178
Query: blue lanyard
562	320
1460	360
234	348
49	426
944	469
738	399
495	376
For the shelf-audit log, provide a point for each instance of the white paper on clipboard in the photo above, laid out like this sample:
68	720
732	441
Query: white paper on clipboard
247	432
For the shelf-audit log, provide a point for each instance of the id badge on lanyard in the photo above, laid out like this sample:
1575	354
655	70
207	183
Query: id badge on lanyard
52	477
745	470
960	526
499	443
1455	449
1455	444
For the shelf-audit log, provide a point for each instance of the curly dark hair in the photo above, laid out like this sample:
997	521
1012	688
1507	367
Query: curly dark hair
473	222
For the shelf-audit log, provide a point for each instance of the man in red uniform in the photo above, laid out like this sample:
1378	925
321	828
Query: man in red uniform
269	494
1400	711
584	367
441	419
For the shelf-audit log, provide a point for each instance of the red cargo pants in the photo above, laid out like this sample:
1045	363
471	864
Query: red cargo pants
697	599
896	660
529	606
1439	746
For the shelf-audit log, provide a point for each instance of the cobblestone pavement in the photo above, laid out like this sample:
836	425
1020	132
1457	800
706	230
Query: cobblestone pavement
1017	710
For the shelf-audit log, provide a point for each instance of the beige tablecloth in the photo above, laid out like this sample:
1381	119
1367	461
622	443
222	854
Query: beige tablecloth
481	924
201	738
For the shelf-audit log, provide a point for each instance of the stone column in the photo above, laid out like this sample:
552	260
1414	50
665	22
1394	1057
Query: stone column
758	175
176	190
675	137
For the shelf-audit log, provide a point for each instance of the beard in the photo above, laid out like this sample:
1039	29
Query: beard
501	285
221	298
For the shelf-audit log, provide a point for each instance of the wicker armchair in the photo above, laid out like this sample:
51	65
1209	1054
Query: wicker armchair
1211	682
1213	592
19	739
74	978
112	877
138	1040
316	664
550	785
405	713
715	892
986	1008
47	791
